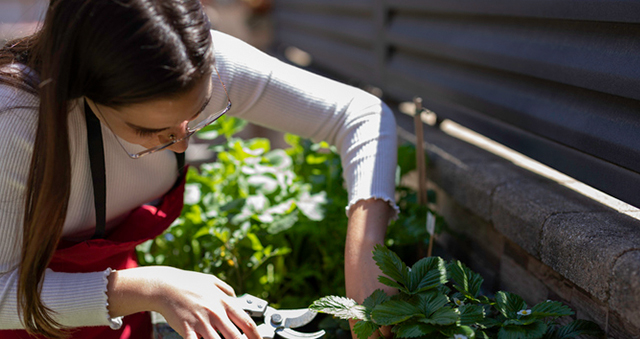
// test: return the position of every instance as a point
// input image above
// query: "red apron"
(116, 250)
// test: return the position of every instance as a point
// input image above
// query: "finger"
(224, 287)
(206, 331)
(226, 327)
(244, 322)
(190, 335)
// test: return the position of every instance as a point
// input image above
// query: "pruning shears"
(278, 322)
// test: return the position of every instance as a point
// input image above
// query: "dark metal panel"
(339, 57)
(602, 125)
(555, 79)
(565, 52)
(351, 6)
(591, 10)
(355, 29)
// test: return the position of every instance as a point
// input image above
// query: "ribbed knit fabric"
(262, 89)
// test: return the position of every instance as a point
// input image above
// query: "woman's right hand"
(195, 305)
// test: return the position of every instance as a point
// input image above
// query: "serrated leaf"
(426, 274)
(392, 283)
(465, 280)
(512, 332)
(471, 314)
(520, 322)
(509, 304)
(443, 316)
(340, 307)
(413, 330)
(430, 302)
(393, 312)
(364, 329)
(578, 327)
(459, 332)
(550, 309)
(390, 264)
(376, 298)
(535, 330)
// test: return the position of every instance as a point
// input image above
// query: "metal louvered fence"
(557, 80)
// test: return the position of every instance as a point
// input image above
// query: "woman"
(96, 109)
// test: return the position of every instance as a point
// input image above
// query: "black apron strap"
(98, 176)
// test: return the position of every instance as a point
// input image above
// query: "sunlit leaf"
(468, 281)
(426, 274)
(509, 304)
(550, 309)
(341, 307)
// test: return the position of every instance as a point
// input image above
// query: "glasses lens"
(217, 106)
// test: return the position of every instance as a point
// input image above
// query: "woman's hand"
(195, 305)
(368, 222)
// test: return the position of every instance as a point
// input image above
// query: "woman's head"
(118, 53)
(127, 51)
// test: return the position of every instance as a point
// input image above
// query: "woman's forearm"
(367, 227)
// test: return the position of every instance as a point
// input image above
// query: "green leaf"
(426, 274)
(509, 304)
(468, 281)
(471, 314)
(364, 329)
(443, 316)
(390, 264)
(406, 158)
(341, 307)
(578, 327)
(550, 309)
(393, 312)
(413, 330)
(533, 331)
(376, 298)
(392, 283)
(312, 206)
(459, 332)
(282, 224)
(430, 302)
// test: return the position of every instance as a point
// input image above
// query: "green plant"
(269, 222)
(272, 222)
(443, 300)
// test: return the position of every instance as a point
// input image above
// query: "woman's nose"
(178, 132)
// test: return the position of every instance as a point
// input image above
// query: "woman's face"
(155, 122)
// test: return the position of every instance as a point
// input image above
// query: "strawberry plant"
(437, 299)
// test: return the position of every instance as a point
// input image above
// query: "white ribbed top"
(263, 91)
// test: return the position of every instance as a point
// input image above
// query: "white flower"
(458, 302)
(460, 336)
(524, 312)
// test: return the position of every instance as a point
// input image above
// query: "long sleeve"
(273, 94)
(78, 299)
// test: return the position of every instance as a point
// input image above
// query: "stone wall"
(533, 236)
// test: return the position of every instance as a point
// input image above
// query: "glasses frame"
(190, 131)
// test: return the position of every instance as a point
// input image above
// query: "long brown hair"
(116, 52)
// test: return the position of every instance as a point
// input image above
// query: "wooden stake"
(422, 170)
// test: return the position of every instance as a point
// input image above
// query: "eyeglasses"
(205, 118)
